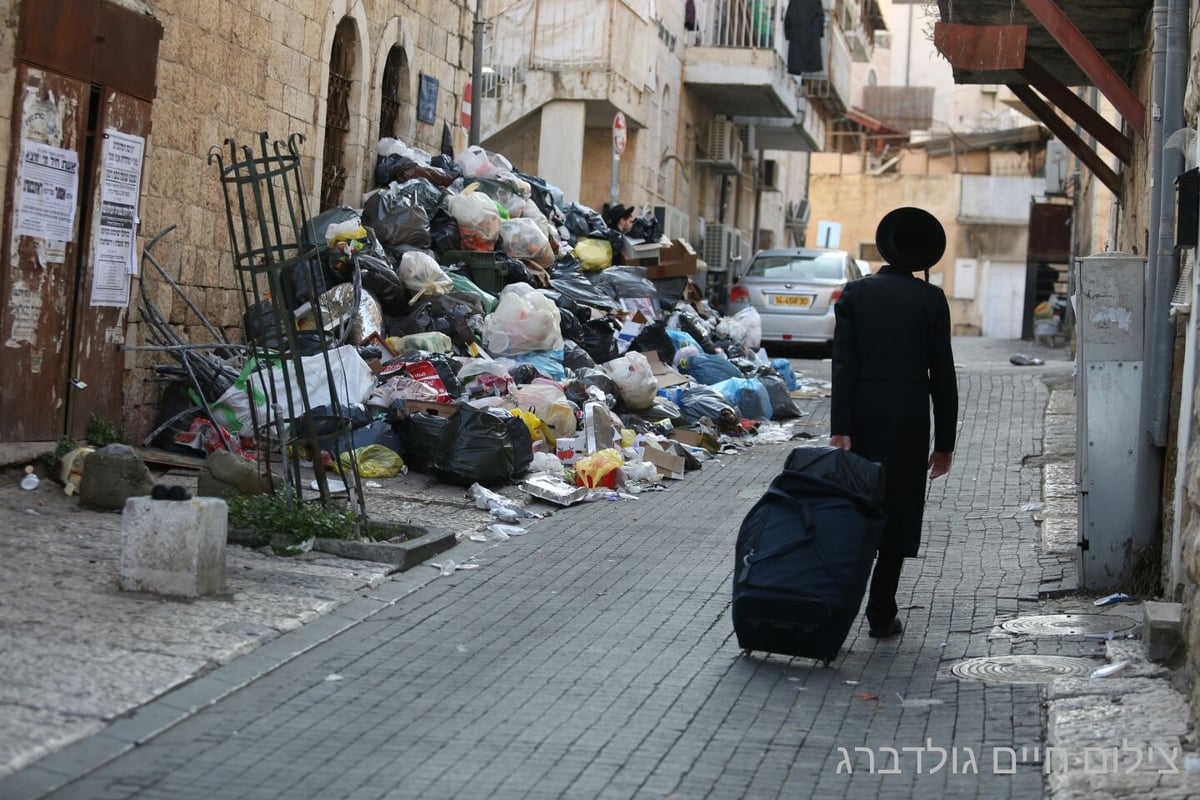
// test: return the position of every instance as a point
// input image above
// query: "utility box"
(1110, 315)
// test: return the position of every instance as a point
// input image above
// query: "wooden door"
(38, 274)
(97, 362)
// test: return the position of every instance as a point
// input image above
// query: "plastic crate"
(485, 267)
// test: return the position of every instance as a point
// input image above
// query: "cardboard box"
(640, 251)
(669, 465)
(629, 331)
(676, 261)
(432, 409)
(570, 449)
(694, 439)
(664, 375)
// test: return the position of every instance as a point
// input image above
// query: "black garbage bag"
(662, 409)
(697, 402)
(445, 162)
(266, 326)
(570, 327)
(627, 283)
(313, 235)
(601, 380)
(574, 356)
(447, 368)
(733, 351)
(599, 339)
(654, 338)
(521, 438)
(691, 324)
(474, 447)
(387, 168)
(670, 291)
(571, 281)
(523, 374)
(748, 367)
(782, 404)
(465, 320)
(443, 232)
(648, 228)
(380, 279)
(397, 217)
(420, 434)
(581, 220)
(515, 271)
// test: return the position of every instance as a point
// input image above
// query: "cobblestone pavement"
(594, 657)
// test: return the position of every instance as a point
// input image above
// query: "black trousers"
(881, 602)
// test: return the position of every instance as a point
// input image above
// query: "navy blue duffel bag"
(804, 554)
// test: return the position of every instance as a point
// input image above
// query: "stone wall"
(232, 68)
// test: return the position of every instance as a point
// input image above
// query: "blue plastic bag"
(683, 339)
(784, 368)
(547, 362)
(747, 395)
(708, 369)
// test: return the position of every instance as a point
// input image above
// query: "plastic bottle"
(30, 481)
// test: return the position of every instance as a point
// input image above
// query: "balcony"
(538, 51)
(737, 64)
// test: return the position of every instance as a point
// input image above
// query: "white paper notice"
(47, 192)
(115, 240)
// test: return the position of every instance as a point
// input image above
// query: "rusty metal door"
(37, 275)
(97, 362)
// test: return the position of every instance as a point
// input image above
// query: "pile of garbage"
(483, 330)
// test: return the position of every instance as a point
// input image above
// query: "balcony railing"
(742, 23)
(610, 36)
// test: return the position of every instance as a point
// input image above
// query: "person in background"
(891, 356)
(619, 217)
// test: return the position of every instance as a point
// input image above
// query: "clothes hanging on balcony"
(689, 15)
(804, 27)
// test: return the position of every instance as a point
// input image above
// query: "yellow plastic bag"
(374, 461)
(539, 430)
(599, 469)
(594, 254)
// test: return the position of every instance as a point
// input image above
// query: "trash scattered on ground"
(1022, 360)
(1110, 669)
(1112, 599)
(1033, 506)
(449, 567)
(333, 677)
(30, 480)
(919, 702)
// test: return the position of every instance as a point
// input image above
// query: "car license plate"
(791, 300)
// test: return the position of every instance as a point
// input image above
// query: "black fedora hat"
(910, 238)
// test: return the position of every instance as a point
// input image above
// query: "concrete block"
(174, 547)
(1161, 629)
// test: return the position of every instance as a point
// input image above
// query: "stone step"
(1161, 629)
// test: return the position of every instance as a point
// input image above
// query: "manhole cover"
(1022, 669)
(1066, 624)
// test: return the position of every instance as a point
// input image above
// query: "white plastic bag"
(351, 376)
(634, 378)
(475, 162)
(524, 238)
(745, 328)
(546, 400)
(525, 321)
(423, 276)
(477, 217)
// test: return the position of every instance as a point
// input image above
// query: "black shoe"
(893, 628)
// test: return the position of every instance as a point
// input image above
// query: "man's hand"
(841, 441)
(939, 463)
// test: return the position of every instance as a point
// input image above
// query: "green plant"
(50, 459)
(285, 524)
(101, 432)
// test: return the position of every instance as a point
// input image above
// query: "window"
(827, 266)
(394, 93)
(337, 113)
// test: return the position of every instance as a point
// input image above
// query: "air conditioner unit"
(1058, 160)
(724, 147)
(716, 247)
(796, 217)
(738, 252)
(770, 176)
(675, 222)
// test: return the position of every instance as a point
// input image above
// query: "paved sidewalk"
(594, 658)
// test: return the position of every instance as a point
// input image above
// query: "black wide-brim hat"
(910, 238)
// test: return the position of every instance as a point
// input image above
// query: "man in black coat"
(891, 355)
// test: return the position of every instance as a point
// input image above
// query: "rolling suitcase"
(804, 554)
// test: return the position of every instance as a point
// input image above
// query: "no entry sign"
(619, 133)
(464, 114)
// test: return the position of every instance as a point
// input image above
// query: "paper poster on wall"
(47, 192)
(114, 243)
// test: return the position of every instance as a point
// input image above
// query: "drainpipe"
(476, 73)
(1161, 327)
(1166, 115)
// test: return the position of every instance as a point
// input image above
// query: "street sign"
(619, 134)
(464, 114)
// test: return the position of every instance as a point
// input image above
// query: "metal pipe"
(476, 72)
(1160, 326)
